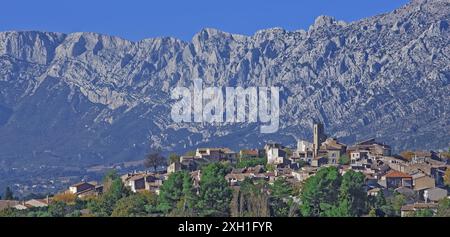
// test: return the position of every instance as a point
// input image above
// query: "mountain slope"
(85, 98)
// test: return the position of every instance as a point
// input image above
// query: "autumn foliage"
(68, 198)
(407, 155)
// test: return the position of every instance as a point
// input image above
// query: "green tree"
(171, 192)
(302, 163)
(320, 192)
(151, 206)
(39, 213)
(57, 209)
(250, 200)
(74, 213)
(109, 176)
(10, 212)
(344, 160)
(288, 152)
(131, 206)
(173, 157)
(380, 201)
(424, 213)
(280, 198)
(397, 202)
(114, 190)
(270, 167)
(443, 208)
(388, 210)
(379, 204)
(215, 194)
(352, 196)
(177, 195)
(373, 212)
(250, 162)
(189, 195)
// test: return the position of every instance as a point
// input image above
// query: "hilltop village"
(271, 181)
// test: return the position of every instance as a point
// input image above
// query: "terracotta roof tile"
(397, 174)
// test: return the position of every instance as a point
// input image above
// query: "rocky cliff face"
(85, 98)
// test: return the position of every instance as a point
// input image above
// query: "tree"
(250, 162)
(177, 196)
(10, 212)
(447, 177)
(379, 204)
(424, 213)
(329, 194)
(114, 190)
(173, 158)
(373, 212)
(115, 193)
(153, 160)
(387, 207)
(250, 200)
(288, 152)
(68, 198)
(151, 202)
(215, 194)
(407, 155)
(320, 192)
(190, 197)
(74, 213)
(388, 210)
(443, 208)
(109, 176)
(352, 194)
(131, 206)
(344, 160)
(280, 198)
(270, 167)
(8, 195)
(397, 202)
(380, 201)
(171, 192)
(38, 213)
(57, 209)
(445, 155)
(302, 163)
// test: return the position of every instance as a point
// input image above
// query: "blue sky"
(139, 19)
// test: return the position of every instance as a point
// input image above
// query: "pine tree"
(215, 194)
(320, 193)
(189, 196)
(352, 194)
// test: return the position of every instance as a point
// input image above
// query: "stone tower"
(319, 137)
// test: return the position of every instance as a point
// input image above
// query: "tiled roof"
(36, 203)
(81, 183)
(422, 153)
(250, 152)
(397, 174)
(415, 206)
